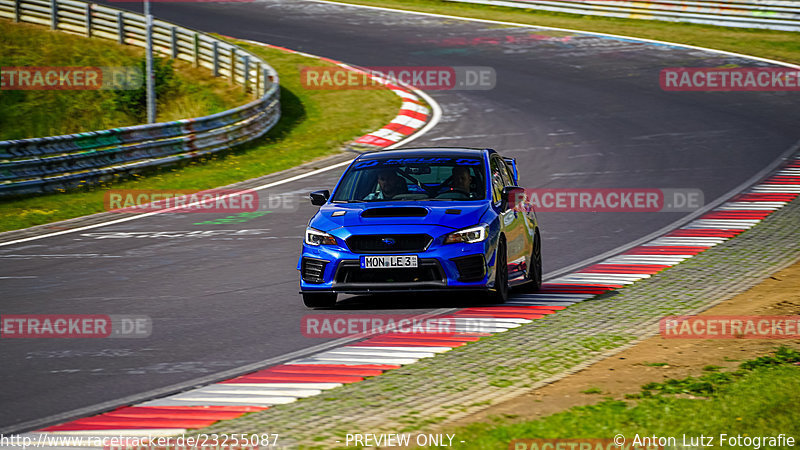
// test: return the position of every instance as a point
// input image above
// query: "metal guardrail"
(781, 15)
(58, 163)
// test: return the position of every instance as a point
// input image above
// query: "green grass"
(314, 123)
(758, 399)
(779, 45)
(186, 92)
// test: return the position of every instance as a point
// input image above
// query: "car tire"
(500, 292)
(319, 300)
(535, 273)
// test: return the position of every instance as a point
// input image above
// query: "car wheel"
(500, 293)
(535, 273)
(319, 300)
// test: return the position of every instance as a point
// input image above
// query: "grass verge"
(183, 91)
(779, 45)
(758, 399)
(314, 123)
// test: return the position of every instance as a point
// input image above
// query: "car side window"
(509, 174)
(503, 168)
(498, 183)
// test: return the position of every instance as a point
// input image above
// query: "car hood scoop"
(397, 211)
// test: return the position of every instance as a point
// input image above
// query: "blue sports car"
(421, 220)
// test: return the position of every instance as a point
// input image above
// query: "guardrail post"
(120, 27)
(174, 42)
(264, 75)
(233, 65)
(215, 57)
(17, 10)
(53, 14)
(89, 19)
(257, 90)
(196, 50)
(246, 73)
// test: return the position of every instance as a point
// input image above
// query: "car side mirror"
(511, 197)
(319, 198)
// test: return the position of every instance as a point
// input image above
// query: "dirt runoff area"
(656, 359)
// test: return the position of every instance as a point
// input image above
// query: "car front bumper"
(443, 268)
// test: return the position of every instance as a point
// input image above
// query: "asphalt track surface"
(580, 111)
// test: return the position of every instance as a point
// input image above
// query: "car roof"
(426, 152)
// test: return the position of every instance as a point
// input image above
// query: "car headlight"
(468, 235)
(315, 237)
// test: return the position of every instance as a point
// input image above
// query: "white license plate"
(388, 261)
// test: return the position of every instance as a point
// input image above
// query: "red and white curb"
(412, 117)
(413, 113)
(306, 377)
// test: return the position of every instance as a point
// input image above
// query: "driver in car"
(460, 181)
(391, 184)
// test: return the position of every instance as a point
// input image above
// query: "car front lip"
(381, 290)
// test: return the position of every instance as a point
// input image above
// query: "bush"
(134, 101)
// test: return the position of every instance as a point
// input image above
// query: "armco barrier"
(768, 14)
(62, 162)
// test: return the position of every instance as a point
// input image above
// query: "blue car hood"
(454, 215)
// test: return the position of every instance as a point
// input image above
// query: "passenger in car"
(390, 183)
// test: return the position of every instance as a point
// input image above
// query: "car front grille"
(312, 270)
(428, 270)
(388, 243)
(470, 268)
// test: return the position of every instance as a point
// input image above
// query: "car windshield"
(409, 179)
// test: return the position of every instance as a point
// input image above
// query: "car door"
(512, 222)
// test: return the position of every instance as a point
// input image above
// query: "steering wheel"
(448, 183)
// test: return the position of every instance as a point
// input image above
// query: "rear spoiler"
(513, 164)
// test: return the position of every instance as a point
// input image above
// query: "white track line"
(539, 303)
(751, 206)
(375, 352)
(285, 385)
(352, 360)
(685, 241)
(670, 260)
(403, 349)
(232, 388)
(168, 401)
